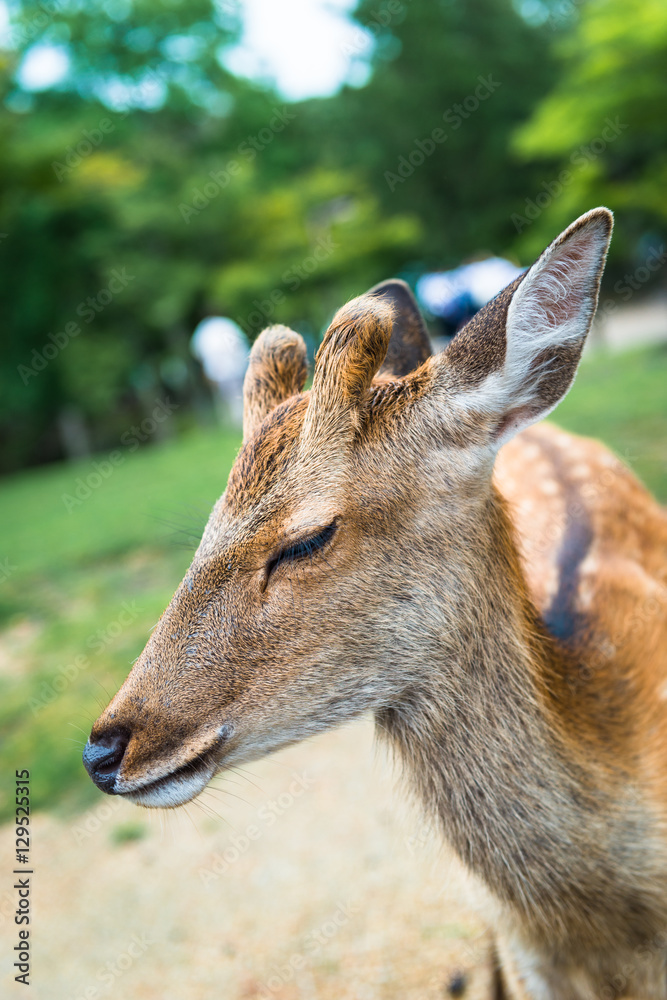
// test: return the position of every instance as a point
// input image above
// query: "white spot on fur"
(586, 593)
(549, 487)
(591, 564)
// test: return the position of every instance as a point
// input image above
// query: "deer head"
(357, 529)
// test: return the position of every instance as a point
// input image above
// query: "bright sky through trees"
(306, 47)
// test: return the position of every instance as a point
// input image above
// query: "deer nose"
(102, 758)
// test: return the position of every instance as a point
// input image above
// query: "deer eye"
(300, 549)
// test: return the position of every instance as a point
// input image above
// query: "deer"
(407, 538)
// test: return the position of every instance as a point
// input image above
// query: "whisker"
(232, 795)
(83, 731)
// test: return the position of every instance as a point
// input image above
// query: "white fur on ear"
(555, 303)
(547, 323)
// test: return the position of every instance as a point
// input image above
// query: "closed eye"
(301, 548)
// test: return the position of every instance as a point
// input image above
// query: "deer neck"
(506, 759)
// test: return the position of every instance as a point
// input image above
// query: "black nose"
(102, 758)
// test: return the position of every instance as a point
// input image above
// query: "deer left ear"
(277, 370)
(517, 358)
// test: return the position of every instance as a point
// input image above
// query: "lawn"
(622, 400)
(85, 577)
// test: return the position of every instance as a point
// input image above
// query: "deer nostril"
(102, 758)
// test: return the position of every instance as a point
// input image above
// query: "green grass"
(622, 400)
(45, 532)
(128, 832)
(85, 586)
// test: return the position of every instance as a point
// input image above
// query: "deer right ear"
(517, 358)
(277, 369)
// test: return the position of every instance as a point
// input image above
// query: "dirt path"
(319, 884)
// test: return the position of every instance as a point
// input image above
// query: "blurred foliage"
(604, 121)
(473, 69)
(151, 188)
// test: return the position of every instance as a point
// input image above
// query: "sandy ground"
(317, 882)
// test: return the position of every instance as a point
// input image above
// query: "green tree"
(604, 123)
(466, 71)
(134, 205)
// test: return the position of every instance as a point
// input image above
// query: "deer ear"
(517, 358)
(409, 345)
(277, 369)
(349, 357)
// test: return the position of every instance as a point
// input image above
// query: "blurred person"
(221, 347)
(453, 297)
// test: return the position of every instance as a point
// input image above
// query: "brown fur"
(277, 369)
(409, 345)
(508, 629)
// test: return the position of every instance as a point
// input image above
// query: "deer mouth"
(171, 790)
(182, 784)
(107, 762)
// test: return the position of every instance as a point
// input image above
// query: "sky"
(306, 48)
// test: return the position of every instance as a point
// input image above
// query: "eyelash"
(301, 549)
